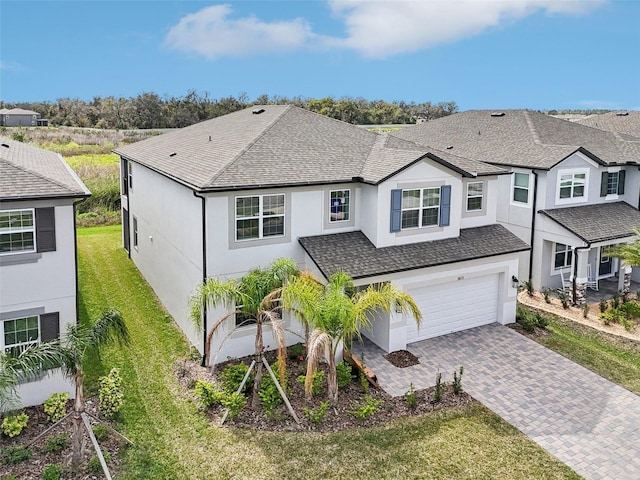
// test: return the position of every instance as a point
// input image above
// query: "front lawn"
(175, 440)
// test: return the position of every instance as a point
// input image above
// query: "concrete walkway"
(587, 422)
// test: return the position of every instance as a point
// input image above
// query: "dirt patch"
(337, 418)
(402, 358)
(33, 468)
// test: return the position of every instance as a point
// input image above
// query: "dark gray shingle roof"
(626, 123)
(283, 145)
(353, 253)
(599, 222)
(30, 172)
(520, 138)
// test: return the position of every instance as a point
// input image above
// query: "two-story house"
(38, 268)
(572, 191)
(221, 197)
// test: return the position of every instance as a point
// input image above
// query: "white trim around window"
(20, 333)
(420, 208)
(259, 217)
(561, 257)
(339, 206)
(17, 231)
(572, 186)
(475, 197)
(521, 190)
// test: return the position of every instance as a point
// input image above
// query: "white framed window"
(17, 231)
(20, 333)
(259, 216)
(420, 207)
(130, 175)
(475, 195)
(562, 256)
(572, 186)
(135, 233)
(339, 206)
(612, 183)
(520, 188)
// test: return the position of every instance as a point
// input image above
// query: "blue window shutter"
(445, 205)
(396, 210)
(604, 180)
(621, 182)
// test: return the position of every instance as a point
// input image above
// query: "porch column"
(582, 259)
(624, 279)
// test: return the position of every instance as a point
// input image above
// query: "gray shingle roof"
(627, 123)
(599, 222)
(283, 145)
(353, 253)
(520, 138)
(29, 172)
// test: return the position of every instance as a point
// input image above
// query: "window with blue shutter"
(396, 210)
(445, 205)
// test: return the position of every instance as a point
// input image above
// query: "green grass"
(174, 440)
(92, 159)
(614, 358)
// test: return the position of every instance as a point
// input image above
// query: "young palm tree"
(629, 253)
(26, 366)
(256, 296)
(80, 339)
(338, 314)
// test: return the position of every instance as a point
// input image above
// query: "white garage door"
(454, 306)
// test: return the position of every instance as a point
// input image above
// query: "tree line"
(150, 110)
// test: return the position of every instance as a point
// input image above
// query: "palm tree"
(256, 297)
(628, 253)
(338, 314)
(25, 366)
(79, 340)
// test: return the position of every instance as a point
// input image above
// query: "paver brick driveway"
(589, 423)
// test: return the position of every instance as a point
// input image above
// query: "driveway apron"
(586, 421)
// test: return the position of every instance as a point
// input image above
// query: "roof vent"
(173, 154)
(622, 114)
(449, 147)
(497, 114)
(258, 111)
(5, 145)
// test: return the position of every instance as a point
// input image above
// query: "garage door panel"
(455, 306)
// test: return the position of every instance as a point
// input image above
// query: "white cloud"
(211, 33)
(380, 29)
(374, 28)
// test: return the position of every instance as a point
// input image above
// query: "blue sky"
(539, 54)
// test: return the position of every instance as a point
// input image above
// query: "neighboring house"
(18, 117)
(38, 274)
(573, 190)
(624, 123)
(221, 197)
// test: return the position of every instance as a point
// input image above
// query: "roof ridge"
(532, 128)
(37, 174)
(248, 146)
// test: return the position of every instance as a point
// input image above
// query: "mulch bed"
(338, 418)
(33, 468)
(402, 358)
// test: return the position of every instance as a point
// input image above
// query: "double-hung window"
(562, 256)
(259, 216)
(474, 196)
(339, 206)
(20, 333)
(420, 207)
(612, 183)
(572, 185)
(17, 231)
(521, 187)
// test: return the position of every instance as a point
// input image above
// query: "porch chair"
(592, 280)
(566, 283)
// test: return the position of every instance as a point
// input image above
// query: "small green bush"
(318, 381)
(564, 298)
(364, 382)
(603, 305)
(318, 414)
(546, 293)
(411, 397)
(269, 395)
(525, 319)
(208, 393)
(234, 403)
(295, 352)
(56, 443)
(366, 409)
(110, 394)
(541, 321)
(437, 397)
(457, 381)
(56, 406)
(13, 455)
(100, 432)
(232, 375)
(585, 310)
(52, 471)
(94, 466)
(343, 372)
(12, 425)
(615, 300)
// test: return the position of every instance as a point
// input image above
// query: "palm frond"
(319, 343)
(283, 269)
(342, 282)
(628, 253)
(303, 296)
(109, 328)
(213, 293)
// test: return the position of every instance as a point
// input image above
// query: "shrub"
(94, 466)
(540, 320)
(612, 315)
(208, 393)
(457, 381)
(343, 372)
(546, 293)
(269, 395)
(56, 443)
(13, 455)
(364, 382)
(234, 403)
(296, 351)
(318, 414)
(53, 471)
(525, 319)
(631, 309)
(56, 406)
(100, 432)
(318, 380)
(437, 397)
(603, 305)
(528, 286)
(12, 425)
(585, 310)
(411, 397)
(232, 375)
(366, 409)
(564, 298)
(627, 324)
(110, 395)
(615, 300)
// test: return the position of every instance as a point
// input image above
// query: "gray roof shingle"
(625, 123)
(30, 172)
(283, 145)
(599, 222)
(353, 253)
(521, 138)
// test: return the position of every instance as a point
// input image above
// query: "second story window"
(612, 183)
(420, 207)
(339, 205)
(17, 231)
(521, 187)
(259, 216)
(474, 196)
(572, 186)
